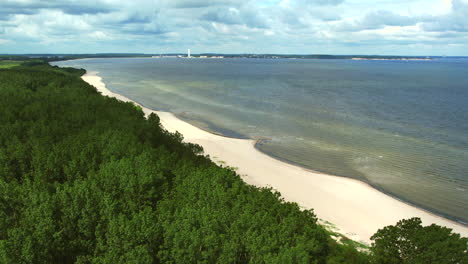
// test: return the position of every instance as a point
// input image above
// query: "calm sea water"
(401, 126)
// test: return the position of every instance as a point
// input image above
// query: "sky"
(368, 27)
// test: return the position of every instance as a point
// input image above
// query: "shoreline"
(258, 141)
(393, 59)
(356, 208)
(378, 188)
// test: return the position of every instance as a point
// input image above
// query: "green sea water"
(401, 126)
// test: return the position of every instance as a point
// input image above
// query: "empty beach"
(354, 208)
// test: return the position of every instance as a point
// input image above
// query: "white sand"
(356, 209)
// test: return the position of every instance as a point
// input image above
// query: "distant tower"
(188, 53)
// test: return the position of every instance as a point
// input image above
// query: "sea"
(400, 126)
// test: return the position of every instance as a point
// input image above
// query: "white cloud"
(4, 41)
(235, 26)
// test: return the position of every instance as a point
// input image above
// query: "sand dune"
(355, 208)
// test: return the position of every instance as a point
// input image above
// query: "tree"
(410, 242)
(87, 179)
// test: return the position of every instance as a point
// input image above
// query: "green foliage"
(410, 242)
(347, 254)
(87, 179)
(5, 64)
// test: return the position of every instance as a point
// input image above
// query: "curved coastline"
(258, 141)
(378, 188)
(356, 208)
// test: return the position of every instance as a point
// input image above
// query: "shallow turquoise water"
(401, 126)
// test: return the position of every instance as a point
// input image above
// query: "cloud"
(386, 18)
(7, 11)
(200, 3)
(376, 20)
(234, 16)
(294, 16)
(456, 20)
(318, 2)
(225, 16)
(147, 29)
(234, 26)
(136, 18)
(73, 7)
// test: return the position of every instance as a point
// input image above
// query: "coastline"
(393, 59)
(378, 188)
(357, 209)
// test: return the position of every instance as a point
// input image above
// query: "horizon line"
(232, 54)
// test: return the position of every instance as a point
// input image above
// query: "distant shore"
(355, 208)
(392, 59)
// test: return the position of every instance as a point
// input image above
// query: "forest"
(88, 179)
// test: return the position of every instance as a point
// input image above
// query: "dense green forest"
(88, 179)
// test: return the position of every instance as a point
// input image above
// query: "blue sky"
(399, 27)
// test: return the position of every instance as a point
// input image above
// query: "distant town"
(288, 56)
(188, 55)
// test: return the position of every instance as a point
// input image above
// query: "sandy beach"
(355, 208)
